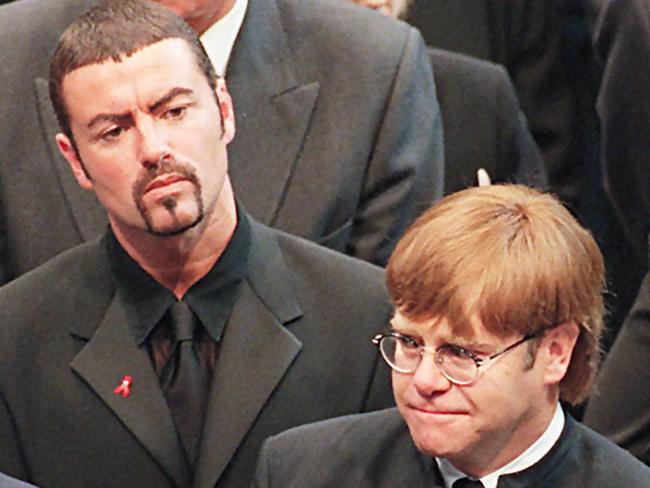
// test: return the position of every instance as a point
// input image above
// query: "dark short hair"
(511, 256)
(113, 30)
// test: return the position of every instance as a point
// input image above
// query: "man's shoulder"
(363, 450)
(467, 64)
(604, 463)
(332, 289)
(628, 10)
(623, 21)
(343, 27)
(303, 255)
(38, 18)
(30, 30)
(40, 308)
(476, 76)
(359, 435)
(81, 268)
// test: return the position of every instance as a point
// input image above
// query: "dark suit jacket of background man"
(376, 451)
(619, 408)
(336, 117)
(532, 39)
(546, 47)
(622, 44)
(296, 349)
(483, 126)
(622, 41)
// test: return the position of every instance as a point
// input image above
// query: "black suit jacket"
(622, 41)
(375, 451)
(296, 349)
(529, 38)
(619, 408)
(483, 126)
(317, 153)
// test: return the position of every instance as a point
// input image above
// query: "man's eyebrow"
(464, 342)
(109, 117)
(480, 345)
(104, 117)
(472, 344)
(167, 97)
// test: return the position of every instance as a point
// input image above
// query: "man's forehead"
(173, 55)
(143, 76)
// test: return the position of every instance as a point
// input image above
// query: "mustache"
(166, 165)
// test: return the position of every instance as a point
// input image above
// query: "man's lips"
(432, 410)
(164, 180)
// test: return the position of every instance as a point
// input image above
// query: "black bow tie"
(467, 483)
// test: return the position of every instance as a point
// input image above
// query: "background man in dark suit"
(482, 124)
(491, 329)
(166, 352)
(619, 407)
(317, 152)
(546, 47)
(622, 41)
(551, 73)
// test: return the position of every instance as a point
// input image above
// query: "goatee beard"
(167, 165)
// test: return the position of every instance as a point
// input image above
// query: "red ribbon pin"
(124, 388)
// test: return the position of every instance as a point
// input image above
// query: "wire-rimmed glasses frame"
(456, 363)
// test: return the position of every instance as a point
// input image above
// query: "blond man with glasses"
(498, 316)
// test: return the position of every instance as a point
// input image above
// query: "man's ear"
(226, 110)
(69, 152)
(557, 348)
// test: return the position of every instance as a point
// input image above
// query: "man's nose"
(152, 147)
(428, 379)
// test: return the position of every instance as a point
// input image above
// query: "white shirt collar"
(526, 459)
(219, 39)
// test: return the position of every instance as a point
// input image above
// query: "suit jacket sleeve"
(406, 172)
(622, 41)
(619, 407)
(11, 461)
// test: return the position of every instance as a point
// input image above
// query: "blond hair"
(511, 256)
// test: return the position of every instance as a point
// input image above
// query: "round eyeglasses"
(458, 365)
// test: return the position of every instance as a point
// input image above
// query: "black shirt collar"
(211, 298)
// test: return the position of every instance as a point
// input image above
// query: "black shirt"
(211, 298)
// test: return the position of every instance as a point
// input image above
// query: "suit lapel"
(272, 108)
(256, 352)
(111, 354)
(88, 216)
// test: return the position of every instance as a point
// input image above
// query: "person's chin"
(434, 444)
(434, 429)
(171, 225)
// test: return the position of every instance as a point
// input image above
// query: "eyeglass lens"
(404, 356)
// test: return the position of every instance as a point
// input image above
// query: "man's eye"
(112, 134)
(460, 351)
(455, 351)
(175, 112)
(407, 343)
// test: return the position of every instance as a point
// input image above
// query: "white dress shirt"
(219, 39)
